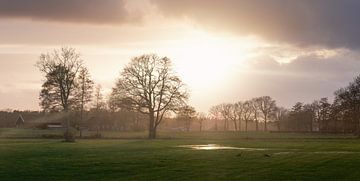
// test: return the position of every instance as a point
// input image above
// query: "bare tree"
(225, 112)
(239, 111)
(267, 106)
(84, 92)
(201, 117)
(149, 85)
(215, 115)
(255, 105)
(247, 113)
(99, 102)
(186, 115)
(99, 105)
(60, 68)
(280, 116)
(233, 115)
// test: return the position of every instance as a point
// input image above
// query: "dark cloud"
(84, 11)
(304, 79)
(330, 23)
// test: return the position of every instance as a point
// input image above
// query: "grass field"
(277, 157)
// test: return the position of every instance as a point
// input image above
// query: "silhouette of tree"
(149, 85)
(84, 92)
(215, 115)
(348, 99)
(239, 111)
(255, 105)
(324, 114)
(267, 106)
(99, 107)
(99, 102)
(186, 115)
(60, 68)
(201, 117)
(280, 116)
(247, 113)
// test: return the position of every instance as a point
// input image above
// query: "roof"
(20, 120)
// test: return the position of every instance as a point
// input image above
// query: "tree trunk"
(239, 124)
(235, 125)
(68, 135)
(152, 134)
(67, 120)
(265, 121)
(246, 125)
(152, 128)
(257, 124)
(216, 125)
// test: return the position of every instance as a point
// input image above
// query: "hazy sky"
(225, 50)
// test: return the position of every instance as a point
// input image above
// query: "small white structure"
(20, 121)
(55, 126)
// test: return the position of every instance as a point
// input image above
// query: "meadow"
(129, 156)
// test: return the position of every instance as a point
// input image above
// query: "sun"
(205, 59)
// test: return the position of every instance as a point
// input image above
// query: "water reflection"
(219, 147)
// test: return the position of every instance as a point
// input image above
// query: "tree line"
(148, 91)
(340, 116)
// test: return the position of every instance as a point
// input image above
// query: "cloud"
(83, 11)
(329, 23)
(304, 79)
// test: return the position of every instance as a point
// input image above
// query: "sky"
(224, 50)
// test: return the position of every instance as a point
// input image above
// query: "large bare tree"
(60, 68)
(149, 85)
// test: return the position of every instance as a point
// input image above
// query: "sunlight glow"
(203, 59)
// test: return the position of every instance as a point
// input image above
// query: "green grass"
(302, 157)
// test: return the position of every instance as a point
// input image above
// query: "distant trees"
(149, 85)
(267, 106)
(99, 102)
(347, 103)
(201, 117)
(249, 111)
(341, 116)
(60, 68)
(186, 115)
(280, 115)
(215, 116)
(255, 105)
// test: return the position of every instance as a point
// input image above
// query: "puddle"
(219, 147)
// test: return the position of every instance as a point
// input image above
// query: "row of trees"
(148, 87)
(341, 116)
(255, 110)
